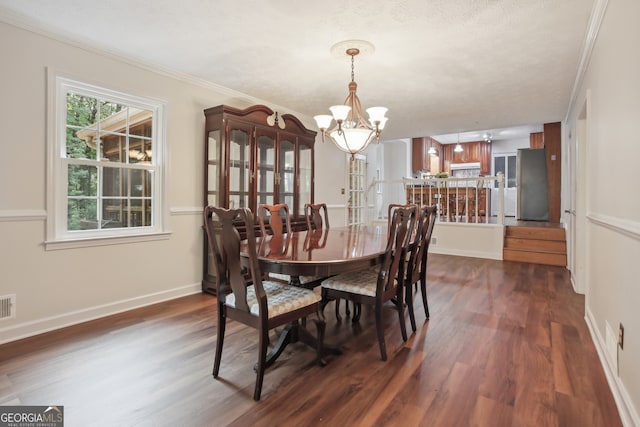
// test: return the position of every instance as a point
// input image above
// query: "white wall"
(608, 100)
(57, 288)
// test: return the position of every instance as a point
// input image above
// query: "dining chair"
(258, 303)
(374, 287)
(416, 266)
(274, 220)
(316, 215)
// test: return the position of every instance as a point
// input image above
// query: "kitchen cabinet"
(472, 152)
(421, 160)
(255, 156)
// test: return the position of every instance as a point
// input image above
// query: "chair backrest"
(276, 217)
(418, 254)
(315, 215)
(393, 207)
(401, 225)
(224, 240)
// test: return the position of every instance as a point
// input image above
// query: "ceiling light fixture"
(352, 133)
(458, 148)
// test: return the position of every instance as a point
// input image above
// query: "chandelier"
(352, 133)
(458, 148)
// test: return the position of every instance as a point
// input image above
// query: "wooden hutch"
(255, 156)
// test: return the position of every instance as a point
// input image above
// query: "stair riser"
(559, 260)
(536, 245)
(536, 233)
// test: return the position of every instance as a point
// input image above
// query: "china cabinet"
(256, 156)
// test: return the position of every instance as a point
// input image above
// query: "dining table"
(321, 253)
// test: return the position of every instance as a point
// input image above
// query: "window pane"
(140, 183)
(82, 180)
(114, 182)
(511, 171)
(140, 122)
(82, 214)
(498, 167)
(140, 213)
(139, 150)
(80, 143)
(113, 213)
(82, 110)
(116, 113)
(113, 146)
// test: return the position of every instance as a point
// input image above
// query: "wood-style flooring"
(506, 345)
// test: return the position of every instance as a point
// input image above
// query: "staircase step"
(546, 258)
(542, 233)
(537, 245)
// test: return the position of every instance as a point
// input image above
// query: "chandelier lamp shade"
(352, 133)
(458, 148)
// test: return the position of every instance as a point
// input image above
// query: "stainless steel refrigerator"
(531, 181)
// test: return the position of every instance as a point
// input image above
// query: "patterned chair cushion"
(362, 282)
(287, 278)
(281, 298)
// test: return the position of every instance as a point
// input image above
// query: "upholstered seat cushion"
(362, 282)
(287, 278)
(281, 298)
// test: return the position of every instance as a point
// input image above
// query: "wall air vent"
(7, 307)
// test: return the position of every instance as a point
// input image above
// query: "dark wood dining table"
(323, 252)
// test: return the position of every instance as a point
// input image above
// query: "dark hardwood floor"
(506, 345)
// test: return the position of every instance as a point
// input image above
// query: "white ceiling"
(440, 66)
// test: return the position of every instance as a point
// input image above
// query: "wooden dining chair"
(316, 215)
(274, 220)
(257, 303)
(374, 287)
(416, 267)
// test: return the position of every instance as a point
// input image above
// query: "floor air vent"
(7, 307)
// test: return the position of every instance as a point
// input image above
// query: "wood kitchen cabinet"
(472, 152)
(421, 160)
(254, 156)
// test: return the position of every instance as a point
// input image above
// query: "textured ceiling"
(440, 66)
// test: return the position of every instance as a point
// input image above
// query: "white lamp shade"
(381, 123)
(323, 121)
(376, 114)
(340, 112)
(352, 140)
(431, 150)
(458, 148)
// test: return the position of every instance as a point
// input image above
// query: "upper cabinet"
(472, 152)
(254, 156)
(421, 160)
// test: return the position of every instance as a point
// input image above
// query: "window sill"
(55, 245)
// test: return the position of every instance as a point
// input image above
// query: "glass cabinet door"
(239, 163)
(213, 168)
(305, 163)
(265, 170)
(286, 173)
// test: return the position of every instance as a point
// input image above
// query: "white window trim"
(57, 235)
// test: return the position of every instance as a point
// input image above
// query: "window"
(106, 174)
(505, 164)
(357, 183)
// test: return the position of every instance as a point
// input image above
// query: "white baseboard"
(39, 326)
(628, 413)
